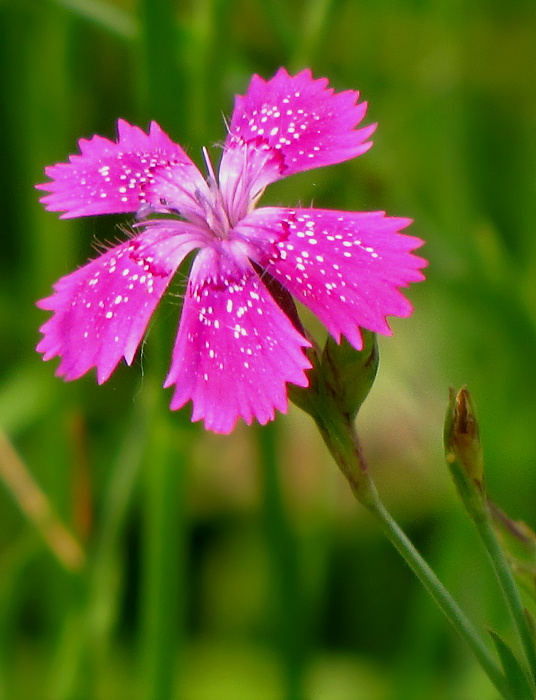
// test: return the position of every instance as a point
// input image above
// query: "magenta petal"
(306, 121)
(345, 266)
(235, 348)
(113, 178)
(102, 309)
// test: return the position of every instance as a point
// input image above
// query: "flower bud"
(462, 439)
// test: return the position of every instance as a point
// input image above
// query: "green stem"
(463, 451)
(159, 87)
(163, 565)
(105, 584)
(440, 595)
(340, 437)
(162, 98)
(286, 580)
(508, 585)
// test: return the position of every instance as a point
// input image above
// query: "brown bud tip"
(462, 435)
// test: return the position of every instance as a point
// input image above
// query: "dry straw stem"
(37, 508)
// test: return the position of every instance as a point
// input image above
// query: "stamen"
(210, 169)
(213, 206)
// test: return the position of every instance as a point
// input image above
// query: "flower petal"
(345, 266)
(302, 118)
(235, 348)
(102, 309)
(113, 178)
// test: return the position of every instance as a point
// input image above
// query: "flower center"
(212, 203)
(215, 204)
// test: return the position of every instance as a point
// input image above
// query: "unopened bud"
(462, 437)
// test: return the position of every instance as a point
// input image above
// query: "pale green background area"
(239, 567)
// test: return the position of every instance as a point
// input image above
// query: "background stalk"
(288, 599)
(163, 564)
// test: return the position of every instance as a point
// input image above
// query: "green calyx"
(340, 379)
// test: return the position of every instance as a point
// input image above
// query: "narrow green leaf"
(518, 683)
(113, 19)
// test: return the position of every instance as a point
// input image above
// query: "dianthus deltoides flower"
(238, 344)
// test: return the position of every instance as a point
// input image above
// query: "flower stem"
(440, 595)
(509, 588)
(341, 438)
(464, 456)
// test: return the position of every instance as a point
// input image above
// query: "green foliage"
(520, 688)
(188, 561)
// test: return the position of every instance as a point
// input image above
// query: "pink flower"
(238, 342)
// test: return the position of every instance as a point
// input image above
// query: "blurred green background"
(240, 567)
